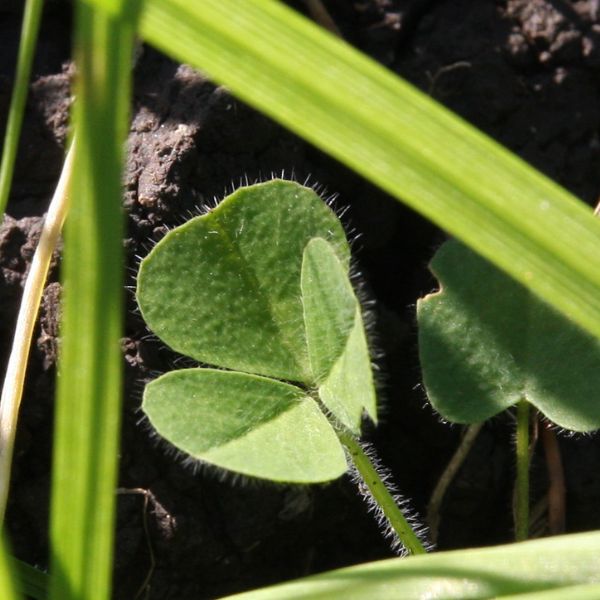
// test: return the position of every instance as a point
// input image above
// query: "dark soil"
(525, 71)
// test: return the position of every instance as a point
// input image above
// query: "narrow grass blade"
(29, 33)
(89, 385)
(8, 575)
(395, 136)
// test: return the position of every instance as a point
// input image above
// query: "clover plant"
(259, 289)
(486, 343)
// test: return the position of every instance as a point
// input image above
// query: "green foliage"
(88, 405)
(395, 136)
(8, 572)
(335, 337)
(344, 103)
(559, 567)
(245, 423)
(486, 342)
(29, 32)
(225, 288)
(259, 285)
(31, 581)
(329, 307)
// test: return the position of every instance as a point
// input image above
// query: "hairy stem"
(12, 390)
(437, 497)
(522, 480)
(381, 495)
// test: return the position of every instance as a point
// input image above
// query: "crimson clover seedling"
(486, 343)
(259, 289)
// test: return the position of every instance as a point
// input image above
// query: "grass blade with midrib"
(89, 386)
(394, 135)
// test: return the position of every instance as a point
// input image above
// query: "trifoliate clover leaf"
(259, 286)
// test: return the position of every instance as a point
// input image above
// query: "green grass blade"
(9, 573)
(397, 137)
(29, 33)
(31, 581)
(89, 385)
(535, 567)
(584, 591)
